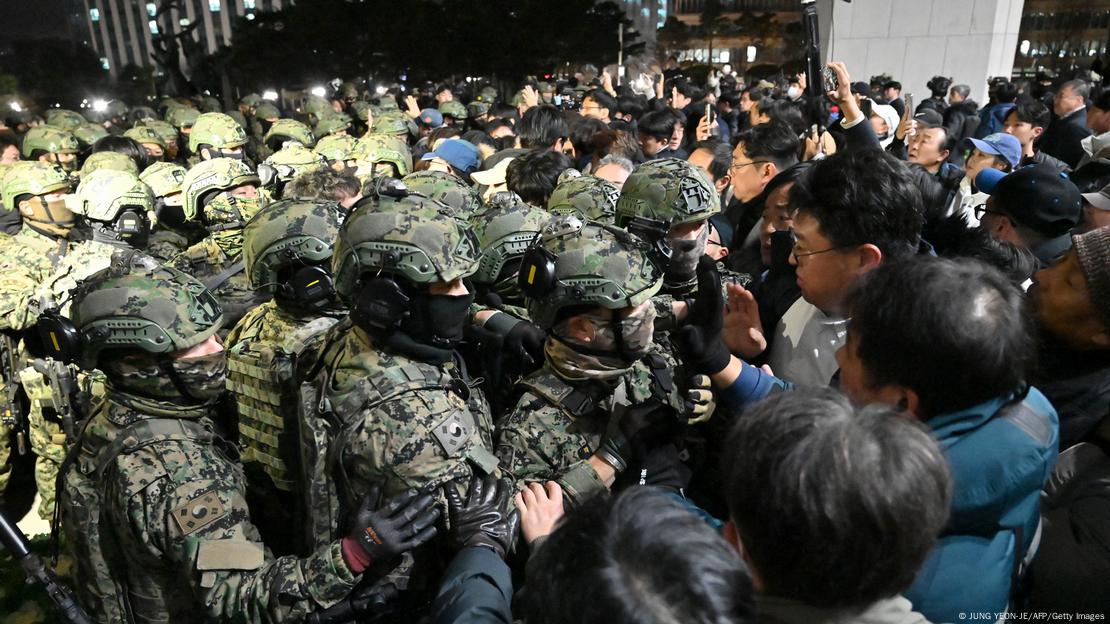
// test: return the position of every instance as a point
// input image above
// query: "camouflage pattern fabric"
(589, 197)
(165, 242)
(162, 531)
(208, 259)
(667, 192)
(445, 188)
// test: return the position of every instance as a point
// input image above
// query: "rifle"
(15, 542)
(63, 386)
(12, 415)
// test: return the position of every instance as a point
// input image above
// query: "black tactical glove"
(699, 340)
(521, 343)
(483, 519)
(630, 430)
(386, 529)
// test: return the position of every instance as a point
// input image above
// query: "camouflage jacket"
(23, 266)
(165, 243)
(408, 424)
(558, 424)
(665, 319)
(172, 534)
(205, 261)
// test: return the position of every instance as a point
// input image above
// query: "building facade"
(754, 32)
(123, 31)
(1062, 35)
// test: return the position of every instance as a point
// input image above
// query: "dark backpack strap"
(555, 391)
(662, 378)
(221, 278)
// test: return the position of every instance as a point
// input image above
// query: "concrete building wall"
(914, 40)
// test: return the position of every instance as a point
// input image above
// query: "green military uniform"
(447, 189)
(589, 197)
(217, 258)
(171, 234)
(403, 413)
(287, 249)
(565, 408)
(154, 503)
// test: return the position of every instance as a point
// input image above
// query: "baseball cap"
(1000, 144)
(861, 88)
(431, 118)
(1100, 200)
(1038, 197)
(458, 153)
(928, 118)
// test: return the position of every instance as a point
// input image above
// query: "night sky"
(33, 18)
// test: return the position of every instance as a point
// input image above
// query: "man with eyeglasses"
(1034, 208)
(598, 104)
(761, 153)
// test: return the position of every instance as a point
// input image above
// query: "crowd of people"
(666, 351)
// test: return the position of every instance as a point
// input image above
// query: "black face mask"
(265, 123)
(169, 216)
(438, 320)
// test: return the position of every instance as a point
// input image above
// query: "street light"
(751, 54)
(319, 91)
(270, 94)
(380, 90)
(99, 105)
(15, 106)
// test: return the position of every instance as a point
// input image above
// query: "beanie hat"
(1093, 249)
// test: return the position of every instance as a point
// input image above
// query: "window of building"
(248, 4)
(183, 22)
(214, 6)
(151, 9)
(105, 64)
(153, 27)
(94, 14)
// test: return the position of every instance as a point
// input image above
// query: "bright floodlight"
(270, 94)
(380, 90)
(15, 106)
(319, 91)
(99, 106)
(751, 54)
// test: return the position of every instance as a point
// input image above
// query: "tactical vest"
(326, 429)
(261, 376)
(101, 584)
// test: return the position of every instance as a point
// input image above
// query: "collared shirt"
(804, 347)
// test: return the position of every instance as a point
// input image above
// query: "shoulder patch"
(452, 433)
(199, 512)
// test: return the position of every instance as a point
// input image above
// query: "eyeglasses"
(806, 254)
(739, 165)
(981, 210)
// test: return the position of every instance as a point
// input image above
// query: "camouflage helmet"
(288, 233)
(330, 124)
(453, 109)
(361, 109)
(216, 130)
(336, 147)
(666, 192)
(266, 110)
(446, 189)
(109, 160)
(33, 178)
(251, 99)
(505, 228)
(383, 148)
(290, 130)
(589, 197)
(182, 116)
(163, 178)
(404, 235)
(64, 119)
(239, 118)
(316, 105)
(140, 113)
(163, 128)
(49, 139)
(210, 104)
(217, 174)
(487, 94)
(388, 102)
(145, 134)
(476, 109)
(393, 124)
(89, 133)
(348, 90)
(288, 163)
(574, 263)
(103, 194)
(159, 310)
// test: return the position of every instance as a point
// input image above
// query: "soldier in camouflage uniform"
(117, 205)
(667, 203)
(168, 133)
(64, 119)
(403, 411)
(50, 144)
(151, 141)
(380, 154)
(447, 189)
(288, 130)
(108, 160)
(216, 135)
(589, 197)
(454, 113)
(337, 149)
(222, 194)
(153, 499)
(171, 233)
(333, 124)
(42, 254)
(605, 394)
(285, 164)
(287, 249)
(394, 124)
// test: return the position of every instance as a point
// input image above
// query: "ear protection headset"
(536, 277)
(54, 336)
